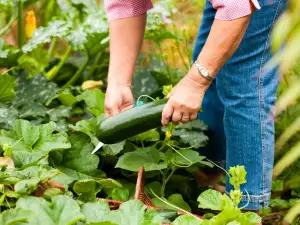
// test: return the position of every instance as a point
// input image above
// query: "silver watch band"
(203, 72)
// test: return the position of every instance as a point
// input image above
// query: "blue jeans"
(238, 104)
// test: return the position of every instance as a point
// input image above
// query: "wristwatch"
(203, 72)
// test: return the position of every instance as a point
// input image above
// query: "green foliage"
(49, 127)
(176, 200)
(147, 157)
(7, 89)
(32, 144)
(87, 189)
(94, 100)
(188, 220)
(77, 162)
(8, 55)
(56, 29)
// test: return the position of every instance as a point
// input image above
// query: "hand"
(118, 98)
(185, 100)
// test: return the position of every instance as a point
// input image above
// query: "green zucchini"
(131, 122)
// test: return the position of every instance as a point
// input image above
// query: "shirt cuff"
(233, 9)
(119, 9)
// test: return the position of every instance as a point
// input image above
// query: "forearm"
(126, 37)
(222, 42)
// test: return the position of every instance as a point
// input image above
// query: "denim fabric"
(238, 104)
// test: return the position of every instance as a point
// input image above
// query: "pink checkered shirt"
(226, 9)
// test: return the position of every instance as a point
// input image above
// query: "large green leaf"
(193, 125)
(7, 88)
(143, 83)
(8, 114)
(18, 216)
(187, 220)
(96, 211)
(113, 149)
(210, 199)
(88, 127)
(121, 194)
(188, 157)
(27, 132)
(249, 218)
(151, 136)
(87, 189)
(8, 55)
(96, 29)
(42, 35)
(131, 212)
(174, 199)
(78, 162)
(94, 100)
(43, 173)
(195, 139)
(26, 187)
(89, 5)
(32, 94)
(62, 210)
(147, 157)
(30, 144)
(227, 215)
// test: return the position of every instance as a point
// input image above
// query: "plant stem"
(20, 24)
(165, 180)
(7, 26)
(168, 137)
(77, 74)
(163, 59)
(54, 71)
(164, 144)
(95, 64)
(164, 183)
(52, 47)
(170, 175)
(181, 56)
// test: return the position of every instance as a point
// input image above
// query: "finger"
(193, 116)
(124, 108)
(107, 112)
(185, 117)
(111, 110)
(176, 117)
(114, 111)
(166, 114)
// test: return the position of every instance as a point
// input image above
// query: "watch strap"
(203, 72)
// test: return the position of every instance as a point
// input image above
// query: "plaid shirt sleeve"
(118, 9)
(226, 9)
(233, 9)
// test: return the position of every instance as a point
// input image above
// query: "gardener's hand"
(186, 98)
(118, 98)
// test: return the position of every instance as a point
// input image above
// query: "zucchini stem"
(52, 47)
(7, 26)
(51, 74)
(95, 64)
(77, 74)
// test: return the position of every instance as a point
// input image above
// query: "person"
(227, 80)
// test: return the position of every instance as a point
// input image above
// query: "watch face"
(204, 72)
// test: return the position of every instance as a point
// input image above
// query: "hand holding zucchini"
(131, 122)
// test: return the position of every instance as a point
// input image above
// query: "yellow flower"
(30, 25)
(91, 84)
(168, 134)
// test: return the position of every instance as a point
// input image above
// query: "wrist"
(118, 79)
(198, 80)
